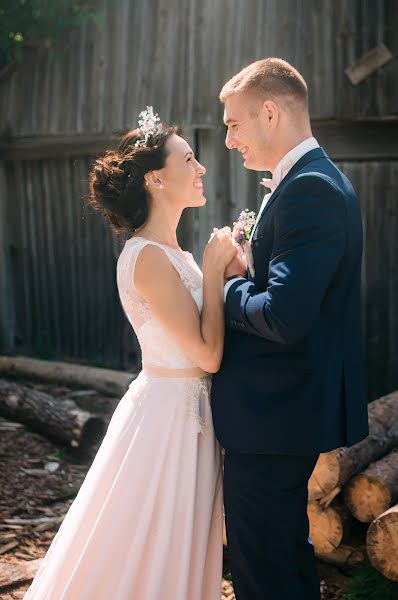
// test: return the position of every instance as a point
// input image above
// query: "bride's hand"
(220, 249)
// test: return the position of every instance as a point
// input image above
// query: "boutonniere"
(242, 229)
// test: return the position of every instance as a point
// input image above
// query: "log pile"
(355, 486)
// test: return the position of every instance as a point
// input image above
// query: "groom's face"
(247, 130)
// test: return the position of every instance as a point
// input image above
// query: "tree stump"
(328, 526)
(55, 419)
(372, 492)
(335, 468)
(382, 543)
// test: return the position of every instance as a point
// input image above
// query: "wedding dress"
(147, 521)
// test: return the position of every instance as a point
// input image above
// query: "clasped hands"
(238, 264)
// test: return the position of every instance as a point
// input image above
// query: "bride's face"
(182, 174)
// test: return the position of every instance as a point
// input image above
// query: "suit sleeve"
(309, 241)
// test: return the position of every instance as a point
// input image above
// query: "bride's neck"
(162, 226)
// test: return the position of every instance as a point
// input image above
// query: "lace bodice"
(157, 346)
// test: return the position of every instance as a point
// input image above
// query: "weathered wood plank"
(7, 308)
(176, 55)
(359, 140)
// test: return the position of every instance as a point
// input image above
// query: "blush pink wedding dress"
(147, 521)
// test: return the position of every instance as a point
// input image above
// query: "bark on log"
(344, 555)
(51, 417)
(106, 381)
(335, 468)
(328, 526)
(382, 543)
(372, 492)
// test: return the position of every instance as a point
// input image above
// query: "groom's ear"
(270, 112)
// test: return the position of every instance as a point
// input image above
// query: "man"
(291, 381)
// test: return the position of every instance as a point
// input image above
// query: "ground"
(38, 481)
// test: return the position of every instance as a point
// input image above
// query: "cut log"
(335, 468)
(328, 526)
(372, 492)
(53, 418)
(18, 572)
(327, 500)
(344, 555)
(382, 543)
(106, 381)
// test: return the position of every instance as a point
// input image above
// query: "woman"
(147, 521)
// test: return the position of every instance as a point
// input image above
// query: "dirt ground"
(38, 481)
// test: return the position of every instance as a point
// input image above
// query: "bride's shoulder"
(153, 268)
(152, 256)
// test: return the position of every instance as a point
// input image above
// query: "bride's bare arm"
(200, 337)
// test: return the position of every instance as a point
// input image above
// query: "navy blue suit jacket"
(291, 379)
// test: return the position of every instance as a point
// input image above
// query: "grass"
(367, 584)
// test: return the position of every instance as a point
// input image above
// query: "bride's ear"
(151, 178)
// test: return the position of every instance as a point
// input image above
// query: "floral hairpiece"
(147, 123)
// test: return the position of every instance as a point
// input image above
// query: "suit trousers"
(267, 526)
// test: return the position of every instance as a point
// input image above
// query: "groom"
(291, 381)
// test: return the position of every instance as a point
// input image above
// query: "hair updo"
(117, 184)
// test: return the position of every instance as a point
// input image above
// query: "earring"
(161, 186)
(146, 183)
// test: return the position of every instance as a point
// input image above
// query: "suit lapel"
(314, 154)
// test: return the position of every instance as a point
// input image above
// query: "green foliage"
(368, 584)
(43, 23)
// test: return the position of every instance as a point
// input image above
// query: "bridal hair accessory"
(241, 233)
(148, 124)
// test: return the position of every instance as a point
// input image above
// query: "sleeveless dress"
(147, 521)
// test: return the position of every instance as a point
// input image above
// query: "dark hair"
(117, 185)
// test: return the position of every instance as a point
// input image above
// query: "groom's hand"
(237, 266)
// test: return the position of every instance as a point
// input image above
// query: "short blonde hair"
(271, 77)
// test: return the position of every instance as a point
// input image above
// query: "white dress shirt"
(281, 170)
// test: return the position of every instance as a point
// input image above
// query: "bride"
(147, 521)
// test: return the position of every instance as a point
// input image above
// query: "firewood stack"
(359, 485)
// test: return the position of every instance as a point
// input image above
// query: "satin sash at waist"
(177, 373)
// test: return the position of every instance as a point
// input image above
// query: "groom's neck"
(288, 142)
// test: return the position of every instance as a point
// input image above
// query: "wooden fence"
(58, 294)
